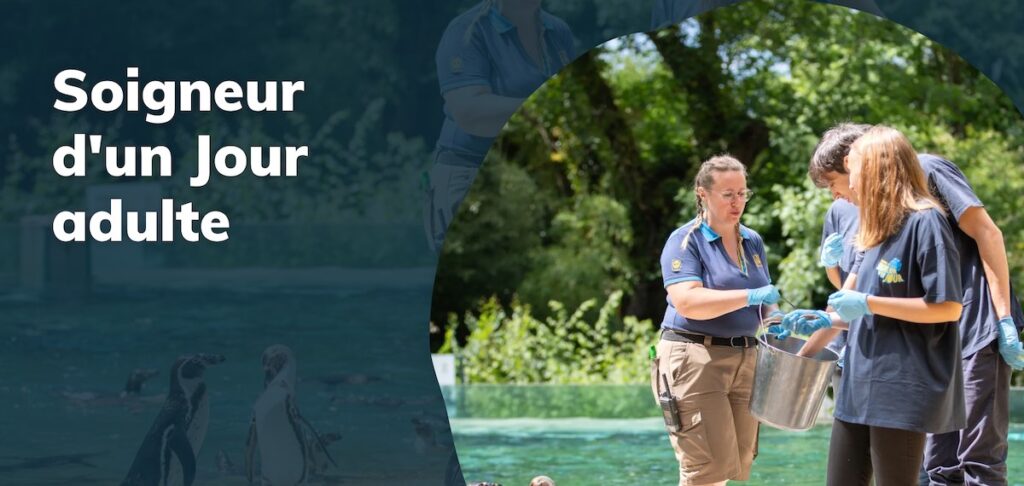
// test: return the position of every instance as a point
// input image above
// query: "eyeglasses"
(743, 195)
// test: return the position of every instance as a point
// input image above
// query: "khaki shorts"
(712, 386)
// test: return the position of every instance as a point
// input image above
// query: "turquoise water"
(349, 384)
(634, 452)
(510, 434)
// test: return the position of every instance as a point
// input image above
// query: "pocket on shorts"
(677, 359)
(692, 439)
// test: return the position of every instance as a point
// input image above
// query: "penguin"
(133, 386)
(168, 453)
(130, 395)
(542, 481)
(282, 447)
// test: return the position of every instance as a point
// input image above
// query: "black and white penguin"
(168, 453)
(282, 448)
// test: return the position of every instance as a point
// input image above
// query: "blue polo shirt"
(899, 374)
(979, 324)
(705, 260)
(481, 47)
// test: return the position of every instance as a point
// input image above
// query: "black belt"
(685, 337)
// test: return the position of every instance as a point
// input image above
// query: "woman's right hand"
(763, 295)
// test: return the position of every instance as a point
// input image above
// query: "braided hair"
(705, 179)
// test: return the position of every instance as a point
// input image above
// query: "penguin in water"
(168, 453)
(130, 395)
(282, 448)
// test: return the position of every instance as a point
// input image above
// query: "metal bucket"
(789, 389)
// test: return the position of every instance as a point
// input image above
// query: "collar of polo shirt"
(502, 24)
(710, 235)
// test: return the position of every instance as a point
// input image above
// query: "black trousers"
(856, 452)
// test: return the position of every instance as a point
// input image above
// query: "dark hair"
(832, 148)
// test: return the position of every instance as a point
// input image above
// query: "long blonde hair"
(706, 178)
(891, 184)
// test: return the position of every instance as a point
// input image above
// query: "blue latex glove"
(763, 295)
(775, 317)
(806, 322)
(849, 304)
(1009, 344)
(831, 250)
(778, 331)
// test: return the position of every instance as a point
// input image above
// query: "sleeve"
(858, 259)
(829, 226)
(940, 264)
(679, 264)
(950, 184)
(462, 60)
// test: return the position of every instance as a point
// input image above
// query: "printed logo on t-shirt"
(889, 271)
(676, 265)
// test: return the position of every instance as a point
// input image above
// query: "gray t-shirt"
(899, 374)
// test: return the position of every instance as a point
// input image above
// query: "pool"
(619, 451)
(349, 383)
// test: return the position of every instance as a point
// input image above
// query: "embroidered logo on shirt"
(757, 261)
(889, 271)
(456, 64)
(676, 265)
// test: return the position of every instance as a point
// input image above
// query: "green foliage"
(492, 240)
(564, 348)
(588, 258)
(555, 401)
(801, 210)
